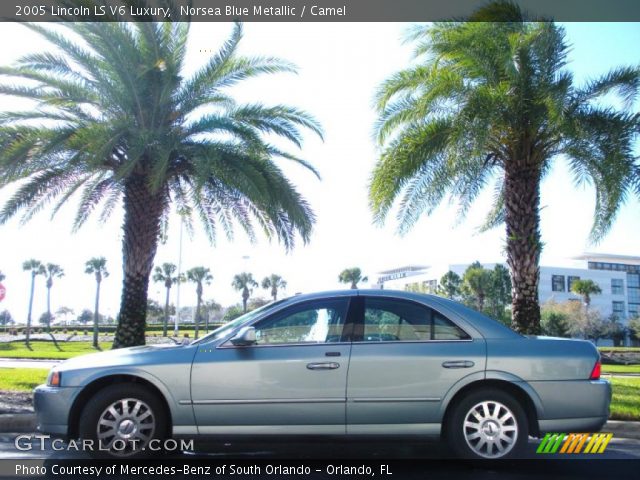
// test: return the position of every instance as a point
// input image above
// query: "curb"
(18, 422)
(622, 429)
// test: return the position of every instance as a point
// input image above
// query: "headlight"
(53, 380)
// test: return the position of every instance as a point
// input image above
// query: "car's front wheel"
(488, 424)
(122, 420)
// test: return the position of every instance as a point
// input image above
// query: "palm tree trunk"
(166, 314)
(48, 309)
(143, 210)
(245, 297)
(28, 331)
(96, 316)
(522, 208)
(53, 338)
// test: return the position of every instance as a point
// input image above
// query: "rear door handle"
(458, 364)
(323, 366)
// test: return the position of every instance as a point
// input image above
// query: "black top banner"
(305, 10)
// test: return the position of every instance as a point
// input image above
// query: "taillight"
(595, 373)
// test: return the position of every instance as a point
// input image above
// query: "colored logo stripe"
(574, 443)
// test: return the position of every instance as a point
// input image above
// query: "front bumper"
(52, 406)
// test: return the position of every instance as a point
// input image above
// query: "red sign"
(3, 291)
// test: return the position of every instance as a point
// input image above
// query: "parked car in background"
(353, 363)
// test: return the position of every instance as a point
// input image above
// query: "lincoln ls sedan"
(344, 363)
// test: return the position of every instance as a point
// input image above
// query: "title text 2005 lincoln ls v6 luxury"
(350, 363)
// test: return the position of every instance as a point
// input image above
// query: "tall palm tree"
(51, 271)
(493, 101)
(244, 282)
(274, 282)
(35, 268)
(166, 274)
(586, 288)
(352, 276)
(119, 122)
(96, 266)
(199, 276)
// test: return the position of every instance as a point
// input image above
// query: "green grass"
(620, 368)
(626, 398)
(47, 350)
(22, 379)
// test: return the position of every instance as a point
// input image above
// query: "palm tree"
(208, 308)
(493, 101)
(199, 275)
(244, 282)
(586, 288)
(165, 274)
(476, 284)
(35, 267)
(118, 121)
(449, 285)
(51, 271)
(352, 276)
(274, 282)
(97, 266)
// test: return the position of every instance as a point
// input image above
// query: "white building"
(617, 275)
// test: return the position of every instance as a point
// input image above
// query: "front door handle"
(323, 366)
(458, 364)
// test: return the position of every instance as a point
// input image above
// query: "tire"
(476, 430)
(121, 419)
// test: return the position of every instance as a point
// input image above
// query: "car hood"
(121, 356)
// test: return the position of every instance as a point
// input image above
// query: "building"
(617, 275)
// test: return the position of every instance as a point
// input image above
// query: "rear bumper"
(573, 406)
(572, 425)
(52, 406)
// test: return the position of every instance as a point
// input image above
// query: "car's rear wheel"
(122, 419)
(488, 424)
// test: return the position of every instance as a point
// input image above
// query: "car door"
(404, 359)
(292, 380)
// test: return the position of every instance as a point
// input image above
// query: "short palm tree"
(493, 101)
(96, 266)
(449, 285)
(35, 268)
(352, 276)
(208, 309)
(199, 276)
(244, 282)
(275, 283)
(118, 122)
(586, 288)
(166, 274)
(51, 271)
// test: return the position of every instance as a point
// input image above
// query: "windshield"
(233, 324)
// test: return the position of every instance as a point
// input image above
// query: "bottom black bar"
(543, 468)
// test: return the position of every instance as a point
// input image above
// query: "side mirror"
(245, 336)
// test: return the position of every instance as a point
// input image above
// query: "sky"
(339, 68)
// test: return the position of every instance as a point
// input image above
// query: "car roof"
(488, 327)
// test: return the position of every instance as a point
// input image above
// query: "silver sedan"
(354, 363)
